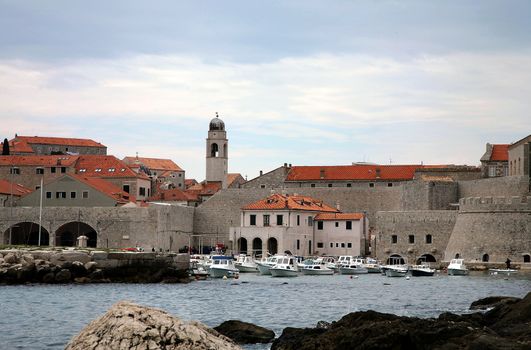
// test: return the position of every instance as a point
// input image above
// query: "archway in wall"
(395, 259)
(257, 247)
(485, 258)
(457, 256)
(67, 234)
(527, 258)
(26, 233)
(242, 245)
(426, 258)
(272, 245)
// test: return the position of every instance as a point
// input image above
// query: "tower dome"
(217, 124)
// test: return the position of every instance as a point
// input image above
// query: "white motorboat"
(421, 270)
(246, 263)
(457, 268)
(372, 265)
(328, 261)
(344, 260)
(396, 270)
(222, 266)
(353, 268)
(503, 271)
(317, 267)
(285, 267)
(266, 264)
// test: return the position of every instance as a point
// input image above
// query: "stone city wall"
(497, 186)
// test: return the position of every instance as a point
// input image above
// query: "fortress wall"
(497, 226)
(428, 195)
(497, 186)
(437, 223)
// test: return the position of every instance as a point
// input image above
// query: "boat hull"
(353, 271)
(263, 269)
(220, 273)
(422, 273)
(276, 272)
(312, 272)
(395, 273)
(457, 272)
(244, 268)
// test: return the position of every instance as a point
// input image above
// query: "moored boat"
(396, 270)
(266, 264)
(285, 267)
(421, 270)
(245, 263)
(457, 267)
(353, 269)
(222, 266)
(316, 268)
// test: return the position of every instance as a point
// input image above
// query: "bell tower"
(217, 152)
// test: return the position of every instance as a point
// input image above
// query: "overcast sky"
(302, 82)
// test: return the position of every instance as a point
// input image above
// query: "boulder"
(63, 276)
(130, 326)
(78, 269)
(70, 256)
(490, 302)
(91, 266)
(48, 278)
(245, 333)
(10, 258)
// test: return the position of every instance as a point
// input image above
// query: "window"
(411, 239)
(331, 245)
(527, 258)
(343, 245)
(349, 245)
(15, 171)
(180, 175)
(63, 170)
(492, 171)
(310, 221)
(428, 239)
(337, 224)
(319, 225)
(82, 170)
(298, 244)
(112, 170)
(98, 170)
(37, 188)
(312, 185)
(280, 220)
(262, 186)
(52, 170)
(394, 239)
(329, 185)
(126, 188)
(73, 195)
(48, 195)
(252, 219)
(320, 245)
(337, 245)
(389, 184)
(266, 220)
(39, 171)
(349, 185)
(371, 184)
(85, 194)
(142, 191)
(60, 194)
(298, 220)
(349, 225)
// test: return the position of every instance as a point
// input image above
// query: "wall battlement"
(496, 204)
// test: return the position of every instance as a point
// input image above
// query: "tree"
(5, 148)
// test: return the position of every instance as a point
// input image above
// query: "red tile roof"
(18, 190)
(105, 166)
(338, 216)
(58, 141)
(44, 161)
(355, 172)
(189, 182)
(287, 202)
(106, 188)
(173, 195)
(231, 177)
(500, 153)
(154, 163)
(19, 147)
(205, 188)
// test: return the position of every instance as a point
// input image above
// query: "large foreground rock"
(506, 326)
(245, 333)
(130, 326)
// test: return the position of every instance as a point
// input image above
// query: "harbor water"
(47, 316)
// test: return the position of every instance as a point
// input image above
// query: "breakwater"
(19, 266)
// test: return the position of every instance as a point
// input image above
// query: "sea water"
(48, 316)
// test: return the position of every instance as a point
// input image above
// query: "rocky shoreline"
(501, 323)
(91, 266)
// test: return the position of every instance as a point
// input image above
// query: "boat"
(266, 264)
(328, 261)
(344, 260)
(396, 270)
(421, 270)
(285, 267)
(352, 269)
(457, 268)
(505, 271)
(197, 270)
(317, 267)
(372, 265)
(222, 266)
(246, 263)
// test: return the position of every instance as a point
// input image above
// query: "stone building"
(24, 145)
(495, 161)
(217, 156)
(163, 172)
(340, 234)
(520, 157)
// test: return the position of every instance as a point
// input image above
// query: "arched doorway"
(257, 247)
(527, 258)
(67, 234)
(26, 233)
(457, 256)
(395, 259)
(242, 245)
(426, 258)
(485, 258)
(272, 245)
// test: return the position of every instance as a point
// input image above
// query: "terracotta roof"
(189, 182)
(231, 177)
(106, 188)
(58, 141)
(500, 153)
(173, 195)
(19, 147)
(17, 189)
(338, 216)
(154, 163)
(105, 166)
(355, 172)
(287, 202)
(205, 188)
(44, 161)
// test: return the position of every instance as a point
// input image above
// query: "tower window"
(214, 150)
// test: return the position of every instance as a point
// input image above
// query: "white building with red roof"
(283, 222)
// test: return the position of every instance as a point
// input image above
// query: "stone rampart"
(495, 204)
(497, 186)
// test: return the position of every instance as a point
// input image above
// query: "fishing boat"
(222, 266)
(503, 271)
(353, 268)
(421, 270)
(396, 270)
(317, 267)
(285, 267)
(266, 264)
(457, 268)
(246, 263)
(372, 265)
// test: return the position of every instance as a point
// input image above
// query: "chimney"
(285, 165)
(377, 173)
(322, 174)
(261, 172)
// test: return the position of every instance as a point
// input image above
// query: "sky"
(299, 82)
